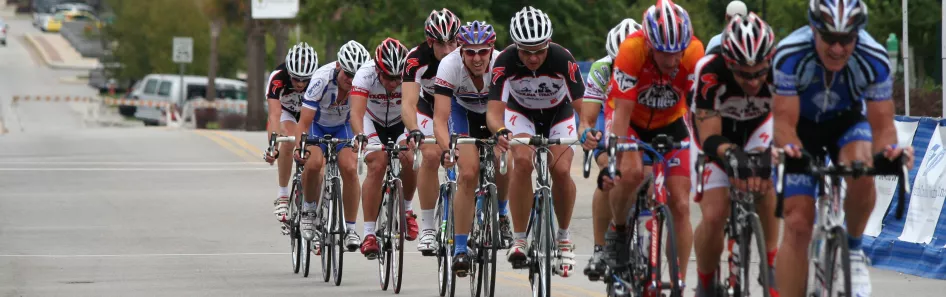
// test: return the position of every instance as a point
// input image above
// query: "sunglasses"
(843, 39)
(534, 52)
(479, 52)
(750, 75)
(349, 74)
(299, 79)
(389, 77)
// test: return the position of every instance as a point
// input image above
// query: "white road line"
(132, 163)
(140, 169)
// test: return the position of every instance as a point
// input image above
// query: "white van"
(167, 88)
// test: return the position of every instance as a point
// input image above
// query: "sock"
(771, 255)
(705, 278)
(427, 219)
(369, 228)
(562, 235)
(310, 205)
(519, 235)
(854, 243)
(502, 207)
(283, 191)
(350, 225)
(407, 205)
(459, 241)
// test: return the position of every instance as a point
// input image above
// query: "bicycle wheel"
(384, 255)
(442, 277)
(494, 242)
(325, 245)
(295, 237)
(540, 268)
(838, 265)
(337, 237)
(476, 247)
(665, 229)
(399, 232)
(450, 246)
(753, 230)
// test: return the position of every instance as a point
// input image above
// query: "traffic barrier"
(173, 119)
(917, 244)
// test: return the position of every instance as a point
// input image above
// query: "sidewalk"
(58, 53)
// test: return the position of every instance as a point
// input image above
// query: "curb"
(43, 54)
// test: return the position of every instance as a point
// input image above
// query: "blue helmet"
(667, 27)
(837, 16)
(477, 32)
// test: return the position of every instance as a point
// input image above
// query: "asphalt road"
(95, 211)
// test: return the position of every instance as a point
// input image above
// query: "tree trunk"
(255, 52)
(202, 116)
(281, 36)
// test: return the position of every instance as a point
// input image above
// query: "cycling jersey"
(454, 80)
(540, 98)
(798, 72)
(280, 88)
(322, 97)
(831, 114)
(714, 42)
(383, 108)
(746, 120)
(596, 84)
(661, 98)
(422, 66)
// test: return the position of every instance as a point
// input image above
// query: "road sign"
(183, 51)
(275, 9)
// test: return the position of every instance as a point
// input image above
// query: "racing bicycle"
(301, 248)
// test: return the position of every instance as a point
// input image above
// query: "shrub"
(924, 101)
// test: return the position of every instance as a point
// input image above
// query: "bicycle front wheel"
(493, 243)
(665, 230)
(837, 277)
(337, 237)
(295, 235)
(398, 231)
(754, 231)
(541, 255)
(384, 253)
(325, 245)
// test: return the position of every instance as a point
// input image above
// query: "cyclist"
(464, 75)
(832, 81)
(377, 90)
(286, 85)
(534, 84)
(326, 111)
(733, 9)
(733, 98)
(592, 116)
(422, 62)
(647, 91)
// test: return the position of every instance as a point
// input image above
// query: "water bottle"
(644, 232)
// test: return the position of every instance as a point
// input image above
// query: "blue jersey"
(798, 72)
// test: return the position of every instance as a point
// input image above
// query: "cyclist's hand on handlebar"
(790, 150)
(296, 155)
(268, 157)
(894, 151)
(590, 138)
(361, 141)
(445, 158)
(502, 142)
(414, 139)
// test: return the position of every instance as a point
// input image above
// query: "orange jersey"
(660, 98)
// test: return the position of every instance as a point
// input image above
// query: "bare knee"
(715, 208)
(523, 161)
(798, 222)
(376, 164)
(347, 164)
(431, 154)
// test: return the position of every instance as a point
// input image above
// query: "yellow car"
(54, 23)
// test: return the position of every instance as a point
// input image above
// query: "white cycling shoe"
(428, 245)
(282, 208)
(860, 277)
(565, 262)
(352, 240)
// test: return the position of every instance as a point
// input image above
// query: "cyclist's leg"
(467, 179)
(287, 125)
(678, 185)
(600, 208)
(563, 188)
(371, 188)
(622, 198)
(520, 196)
(428, 183)
(760, 140)
(351, 190)
(708, 238)
(474, 124)
(408, 181)
(312, 187)
(856, 145)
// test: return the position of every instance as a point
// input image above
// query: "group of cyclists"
(825, 88)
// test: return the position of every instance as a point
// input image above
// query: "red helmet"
(442, 25)
(748, 40)
(390, 57)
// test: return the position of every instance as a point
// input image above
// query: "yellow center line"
(239, 141)
(226, 145)
(571, 288)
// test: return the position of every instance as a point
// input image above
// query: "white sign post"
(275, 9)
(182, 54)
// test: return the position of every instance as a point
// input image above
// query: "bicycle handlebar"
(455, 140)
(754, 164)
(660, 145)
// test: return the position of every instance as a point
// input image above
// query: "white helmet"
(530, 26)
(618, 33)
(351, 56)
(302, 61)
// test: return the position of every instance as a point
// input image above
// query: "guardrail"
(917, 244)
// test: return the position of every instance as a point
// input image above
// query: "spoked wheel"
(398, 233)
(474, 250)
(384, 254)
(670, 264)
(305, 253)
(295, 235)
(326, 243)
(746, 247)
(540, 266)
(443, 261)
(837, 255)
(490, 242)
(337, 239)
(295, 241)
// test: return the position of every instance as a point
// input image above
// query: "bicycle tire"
(337, 239)
(399, 233)
(495, 242)
(295, 236)
(665, 219)
(451, 224)
(837, 243)
(442, 277)
(540, 273)
(476, 246)
(384, 257)
(754, 229)
(325, 244)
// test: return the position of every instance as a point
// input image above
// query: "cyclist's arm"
(310, 104)
(622, 117)
(880, 117)
(441, 115)
(495, 113)
(410, 93)
(708, 123)
(498, 94)
(786, 108)
(591, 102)
(306, 116)
(707, 118)
(275, 110)
(623, 93)
(590, 109)
(359, 103)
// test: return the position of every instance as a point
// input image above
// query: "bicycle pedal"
(428, 253)
(520, 264)
(462, 273)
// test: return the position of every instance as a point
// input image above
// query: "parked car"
(3, 32)
(68, 12)
(54, 23)
(167, 88)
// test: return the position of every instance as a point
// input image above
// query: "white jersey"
(454, 80)
(322, 96)
(384, 108)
